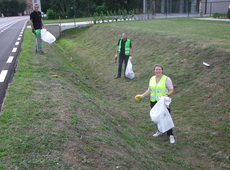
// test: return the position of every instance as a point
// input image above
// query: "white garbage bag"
(129, 70)
(160, 115)
(47, 36)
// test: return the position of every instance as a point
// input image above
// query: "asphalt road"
(11, 37)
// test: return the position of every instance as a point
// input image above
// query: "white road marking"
(17, 43)
(3, 75)
(10, 59)
(14, 50)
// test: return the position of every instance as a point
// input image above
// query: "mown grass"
(86, 119)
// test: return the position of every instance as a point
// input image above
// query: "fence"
(215, 7)
(188, 7)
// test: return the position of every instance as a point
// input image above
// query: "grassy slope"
(85, 119)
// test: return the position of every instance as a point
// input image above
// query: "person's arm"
(170, 92)
(169, 86)
(117, 48)
(42, 24)
(31, 24)
(116, 52)
(146, 92)
(131, 51)
(139, 96)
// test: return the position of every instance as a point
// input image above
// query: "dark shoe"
(117, 77)
(42, 53)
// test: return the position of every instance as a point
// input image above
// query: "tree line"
(86, 8)
(12, 7)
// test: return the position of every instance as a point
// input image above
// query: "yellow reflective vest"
(157, 89)
(127, 47)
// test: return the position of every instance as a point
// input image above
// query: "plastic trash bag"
(129, 70)
(160, 115)
(47, 36)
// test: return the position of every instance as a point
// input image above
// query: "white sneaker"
(157, 134)
(172, 139)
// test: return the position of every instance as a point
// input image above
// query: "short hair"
(158, 65)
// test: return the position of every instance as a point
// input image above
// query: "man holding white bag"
(124, 51)
(36, 25)
(159, 86)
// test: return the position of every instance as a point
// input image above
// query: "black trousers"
(122, 59)
(169, 132)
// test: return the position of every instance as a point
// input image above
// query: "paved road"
(11, 36)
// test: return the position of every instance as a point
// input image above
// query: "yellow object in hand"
(137, 97)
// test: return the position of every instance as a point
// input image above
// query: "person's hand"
(139, 96)
(33, 31)
(115, 56)
(130, 57)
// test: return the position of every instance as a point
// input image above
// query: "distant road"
(11, 36)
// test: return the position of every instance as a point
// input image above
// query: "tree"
(46, 4)
(81, 8)
(12, 7)
(22, 6)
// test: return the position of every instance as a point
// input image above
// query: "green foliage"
(219, 15)
(95, 17)
(51, 14)
(101, 9)
(12, 7)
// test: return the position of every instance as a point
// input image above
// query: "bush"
(219, 15)
(51, 14)
(102, 9)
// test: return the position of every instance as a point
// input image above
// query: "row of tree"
(86, 8)
(12, 7)
(70, 8)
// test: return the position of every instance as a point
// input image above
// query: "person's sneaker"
(172, 139)
(41, 53)
(157, 134)
(117, 77)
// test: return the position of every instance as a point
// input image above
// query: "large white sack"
(129, 70)
(160, 115)
(47, 36)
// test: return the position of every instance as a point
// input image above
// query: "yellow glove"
(139, 96)
(115, 56)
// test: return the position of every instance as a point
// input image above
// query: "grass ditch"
(86, 119)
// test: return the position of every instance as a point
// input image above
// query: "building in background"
(215, 6)
(185, 6)
(30, 5)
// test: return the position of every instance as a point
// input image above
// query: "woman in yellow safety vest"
(159, 85)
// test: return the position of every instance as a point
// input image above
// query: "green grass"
(86, 119)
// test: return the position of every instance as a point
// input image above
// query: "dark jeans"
(169, 132)
(122, 58)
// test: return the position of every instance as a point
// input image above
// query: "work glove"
(33, 31)
(139, 96)
(115, 56)
(130, 57)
